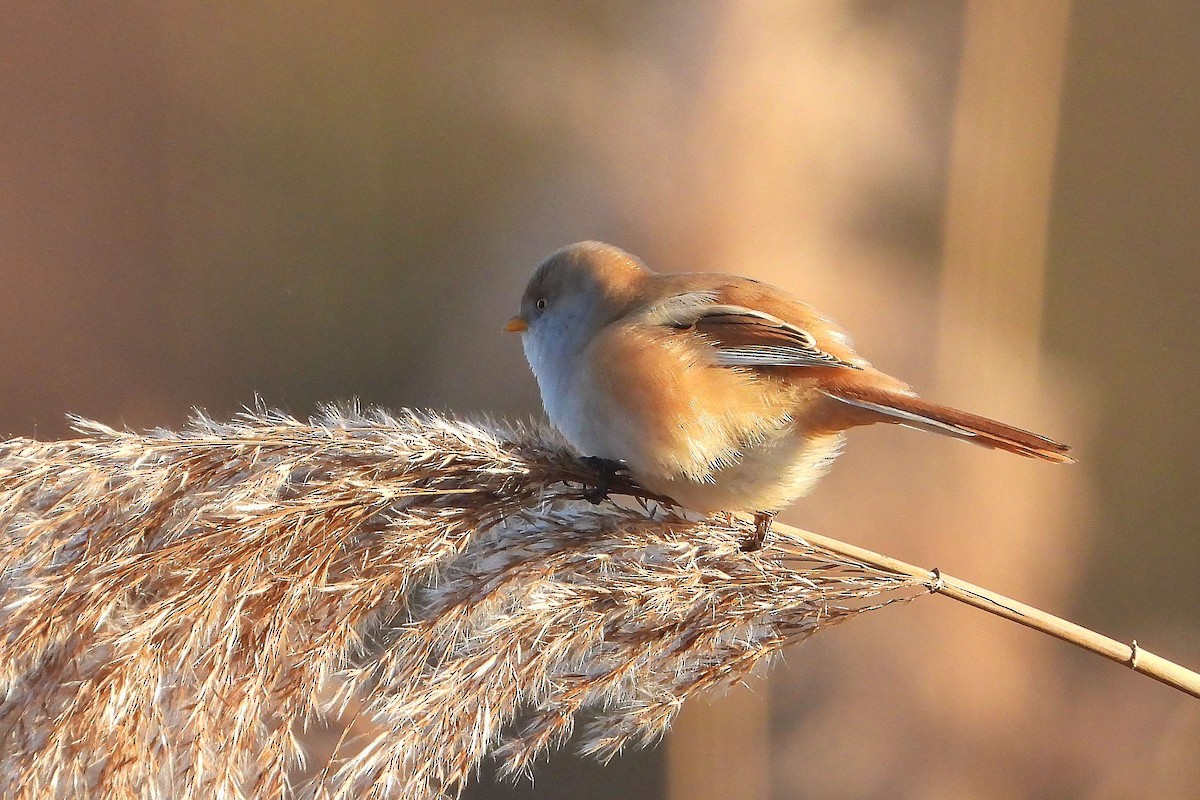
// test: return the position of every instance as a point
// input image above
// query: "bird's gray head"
(572, 295)
(582, 287)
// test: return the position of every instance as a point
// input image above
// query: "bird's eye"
(541, 303)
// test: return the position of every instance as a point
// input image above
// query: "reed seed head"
(179, 607)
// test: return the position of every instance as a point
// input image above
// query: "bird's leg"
(762, 526)
(606, 470)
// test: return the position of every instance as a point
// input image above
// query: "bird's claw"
(762, 527)
(606, 471)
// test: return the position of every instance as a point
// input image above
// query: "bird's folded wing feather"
(745, 337)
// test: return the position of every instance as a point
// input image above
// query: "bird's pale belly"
(768, 477)
(677, 461)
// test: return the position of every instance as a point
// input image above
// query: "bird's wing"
(746, 337)
(742, 336)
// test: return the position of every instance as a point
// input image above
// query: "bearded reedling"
(720, 392)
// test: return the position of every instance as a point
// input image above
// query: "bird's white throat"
(554, 347)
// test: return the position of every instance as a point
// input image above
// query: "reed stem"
(1131, 655)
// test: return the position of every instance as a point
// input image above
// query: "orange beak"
(517, 325)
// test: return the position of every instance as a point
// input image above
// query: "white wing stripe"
(770, 356)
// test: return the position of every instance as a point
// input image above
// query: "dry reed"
(178, 607)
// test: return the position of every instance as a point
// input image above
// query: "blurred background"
(1001, 200)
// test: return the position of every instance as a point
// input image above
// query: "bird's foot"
(762, 526)
(606, 470)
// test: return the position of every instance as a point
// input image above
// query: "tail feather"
(912, 411)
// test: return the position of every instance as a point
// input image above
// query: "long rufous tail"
(912, 411)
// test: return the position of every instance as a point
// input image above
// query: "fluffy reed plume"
(177, 607)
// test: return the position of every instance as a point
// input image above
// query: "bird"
(722, 393)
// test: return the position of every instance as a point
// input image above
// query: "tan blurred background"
(1000, 199)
